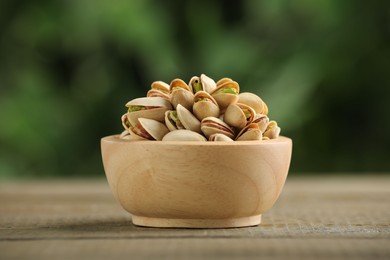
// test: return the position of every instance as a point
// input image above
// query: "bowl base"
(196, 223)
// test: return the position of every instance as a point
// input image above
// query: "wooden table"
(315, 218)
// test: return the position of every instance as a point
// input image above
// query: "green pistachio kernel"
(136, 108)
(228, 90)
(175, 120)
(197, 86)
(173, 116)
(201, 99)
(247, 113)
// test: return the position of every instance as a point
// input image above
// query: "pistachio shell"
(236, 117)
(196, 84)
(202, 83)
(157, 93)
(125, 122)
(159, 89)
(189, 121)
(134, 136)
(223, 80)
(178, 83)
(181, 93)
(205, 105)
(262, 121)
(220, 138)
(208, 83)
(249, 133)
(172, 125)
(253, 101)
(149, 102)
(183, 135)
(156, 129)
(160, 85)
(225, 99)
(131, 136)
(156, 109)
(213, 125)
(272, 130)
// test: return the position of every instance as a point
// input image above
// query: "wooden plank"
(341, 217)
(197, 248)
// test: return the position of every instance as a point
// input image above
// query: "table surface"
(326, 217)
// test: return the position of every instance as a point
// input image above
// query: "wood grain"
(314, 218)
(196, 184)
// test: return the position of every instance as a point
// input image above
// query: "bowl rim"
(115, 139)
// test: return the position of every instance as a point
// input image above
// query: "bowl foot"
(196, 223)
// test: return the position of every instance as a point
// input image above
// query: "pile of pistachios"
(198, 111)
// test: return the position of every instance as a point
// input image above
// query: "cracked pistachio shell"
(239, 115)
(159, 89)
(179, 83)
(125, 122)
(225, 98)
(223, 80)
(188, 120)
(183, 135)
(202, 83)
(155, 108)
(213, 125)
(250, 133)
(205, 105)
(208, 83)
(181, 93)
(253, 101)
(134, 136)
(272, 130)
(220, 138)
(196, 84)
(154, 128)
(160, 85)
(172, 124)
(262, 121)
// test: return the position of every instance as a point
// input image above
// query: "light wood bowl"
(196, 184)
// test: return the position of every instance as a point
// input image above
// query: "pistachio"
(125, 122)
(249, 133)
(208, 83)
(213, 125)
(196, 84)
(181, 93)
(148, 107)
(148, 129)
(183, 135)
(189, 121)
(220, 138)
(226, 93)
(172, 121)
(262, 121)
(253, 101)
(272, 130)
(202, 83)
(159, 89)
(205, 105)
(223, 80)
(239, 115)
(198, 110)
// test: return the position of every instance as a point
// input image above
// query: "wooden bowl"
(196, 184)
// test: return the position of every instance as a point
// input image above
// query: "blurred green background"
(68, 67)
